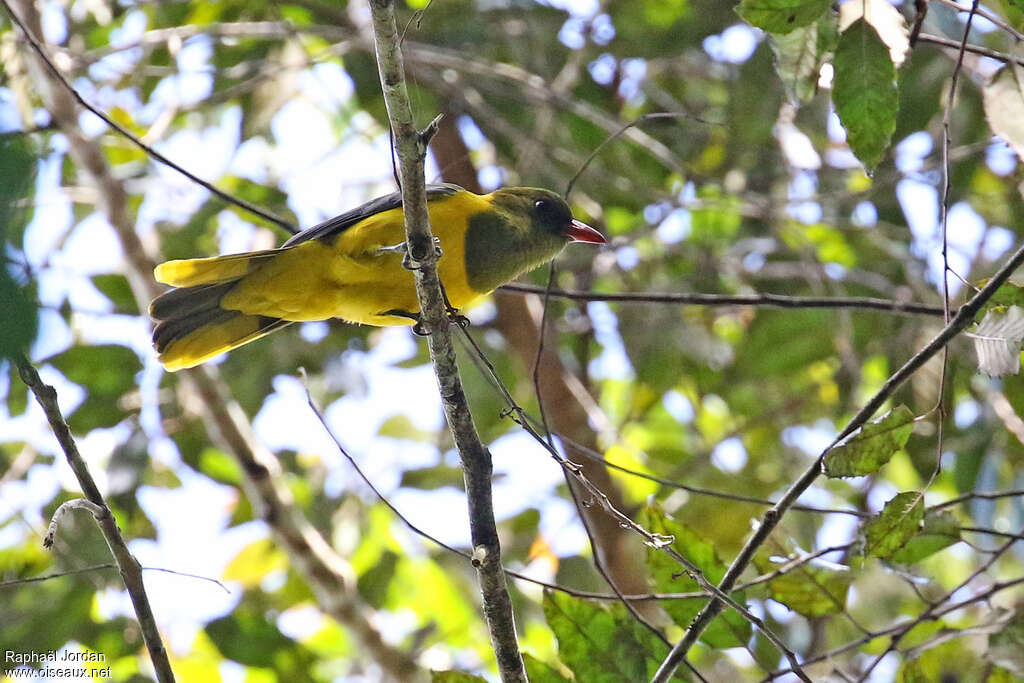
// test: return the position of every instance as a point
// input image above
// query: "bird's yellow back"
(348, 276)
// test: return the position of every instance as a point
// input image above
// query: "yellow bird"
(350, 267)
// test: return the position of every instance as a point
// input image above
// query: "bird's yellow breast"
(349, 277)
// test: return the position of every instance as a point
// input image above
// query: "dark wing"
(338, 224)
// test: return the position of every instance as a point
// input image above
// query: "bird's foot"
(401, 248)
(455, 317)
(419, 327)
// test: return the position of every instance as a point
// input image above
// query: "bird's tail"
(192, 327)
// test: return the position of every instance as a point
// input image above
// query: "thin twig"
(328, 575)
(897, 628)
(964, 317)
(131, 137)
(644, 118)
(973, 49)
(411, 145)
(659, 542)
(593, 595)
(128, 566)
(756, 300)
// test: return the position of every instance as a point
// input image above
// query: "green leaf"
(454, 677)
(911, 672)
(872, 446)
(810, 590)
(864, 92)
(252, 564)
(899, 520)
(18, 159)
(220, 466)
(1010, 293)
(542, 672)
(107, 372)
(375, 582)
(401, 427)
(719, 221)
(20, 315)
(115, 287)
(249, 637)
(1006, 648)
(782, 16)
(601, 644)
(432, 477)
(17, 392)
(940, 530)
(800, 54)
(728, 629)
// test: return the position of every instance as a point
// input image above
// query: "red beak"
(581, 232)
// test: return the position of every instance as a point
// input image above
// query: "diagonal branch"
(964, 317)
(57, 76)
(411, 146)
(327, 574)
(131, 570)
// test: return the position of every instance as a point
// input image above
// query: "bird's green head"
(545, 213)
(525, 227)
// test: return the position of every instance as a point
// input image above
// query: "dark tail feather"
(193, 327)
(184, 301)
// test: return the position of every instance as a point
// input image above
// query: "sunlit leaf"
(940, 530)
(872, 446)
(454, 677)
(911, 672)
(896, 524)
(254, 562)
(541, 672)
(401, 427)
(728, 629)
(601, 644)
(811, 589)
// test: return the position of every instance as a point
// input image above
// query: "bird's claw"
(407, 262)
(457, 318)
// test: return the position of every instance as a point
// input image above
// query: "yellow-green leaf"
(872, 446)
(899, 520)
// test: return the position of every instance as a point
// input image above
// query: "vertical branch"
(327, 574)
(411, 146)
(131, 570)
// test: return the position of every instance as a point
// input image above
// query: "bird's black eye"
(551, 214)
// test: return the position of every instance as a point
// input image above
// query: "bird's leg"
(453, 313)
(418, 329)
(401, 248)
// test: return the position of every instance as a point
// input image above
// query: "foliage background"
(751, 189)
